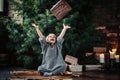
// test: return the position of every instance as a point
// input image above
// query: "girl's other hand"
(66, 26)
(34, 25)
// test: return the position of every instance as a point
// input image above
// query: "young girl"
(53, 62)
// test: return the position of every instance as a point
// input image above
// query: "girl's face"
(51, 38)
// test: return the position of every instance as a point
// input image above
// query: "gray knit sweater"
(52, 62)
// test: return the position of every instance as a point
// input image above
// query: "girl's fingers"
(68, 27)
(33, 24)
(64, 25)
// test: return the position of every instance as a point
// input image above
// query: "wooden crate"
(60, 9)
(72, 60)
(99, 49)
(93, 67)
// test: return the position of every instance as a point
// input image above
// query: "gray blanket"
(52, 62)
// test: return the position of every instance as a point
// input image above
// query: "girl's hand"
(34, 25)
(66, 26)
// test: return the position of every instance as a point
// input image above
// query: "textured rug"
(34, 75)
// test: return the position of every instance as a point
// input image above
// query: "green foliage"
(26, 61)
(24, 39)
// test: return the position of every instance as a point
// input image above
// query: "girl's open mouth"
(52, 39)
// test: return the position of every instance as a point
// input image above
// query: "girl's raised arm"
(65, 27)
(38, 30)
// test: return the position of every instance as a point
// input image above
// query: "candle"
(102, 58)
(112, 54)
(1, 5)
(117, 58)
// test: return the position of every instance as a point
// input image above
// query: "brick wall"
(107, 13)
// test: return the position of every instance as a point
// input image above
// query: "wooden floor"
(23, 74)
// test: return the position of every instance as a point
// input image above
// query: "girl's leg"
(59, 71)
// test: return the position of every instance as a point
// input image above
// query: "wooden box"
(71, 59)
(60, 9)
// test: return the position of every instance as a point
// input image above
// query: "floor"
(88, 75)
(5, 71)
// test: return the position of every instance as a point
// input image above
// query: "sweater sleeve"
(43, 44)
(60, 40)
